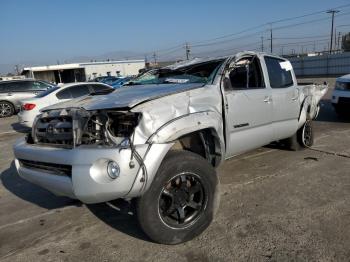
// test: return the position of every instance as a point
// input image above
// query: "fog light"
(113, 169)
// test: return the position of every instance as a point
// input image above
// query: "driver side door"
(248, 106)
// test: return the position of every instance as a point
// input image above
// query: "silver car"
(12, 92)
(159, 138)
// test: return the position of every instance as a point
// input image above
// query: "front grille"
(57, 130)
(55, 169)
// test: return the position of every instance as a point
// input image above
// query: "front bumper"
(89, 181)
(337, 96)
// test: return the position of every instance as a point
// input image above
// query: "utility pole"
(188, 51)
(271, 48)
(17, 69)
(155, 58)
(332, 12)
(262, 44)
(339, 40)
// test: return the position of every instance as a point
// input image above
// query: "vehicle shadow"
(328, 114)
(32, 193)
(20, 128)
(120, 215)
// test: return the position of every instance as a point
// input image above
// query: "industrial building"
(79, 72)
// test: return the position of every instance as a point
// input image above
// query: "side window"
(245, 73)
(4, 87)
(98, 88)
(64, 94)
(40, 85)
(79, 90)
(279, 72)
(21, 86)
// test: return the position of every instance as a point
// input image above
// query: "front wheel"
(182, 199)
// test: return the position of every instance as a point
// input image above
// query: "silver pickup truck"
(160, 138)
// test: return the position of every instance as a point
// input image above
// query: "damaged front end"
(70, 152)
(72, 127)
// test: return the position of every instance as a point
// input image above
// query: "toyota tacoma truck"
(160, 138)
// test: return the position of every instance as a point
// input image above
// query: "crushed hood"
(126, 97)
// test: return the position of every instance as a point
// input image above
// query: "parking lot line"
(10, 132)
(36, 217)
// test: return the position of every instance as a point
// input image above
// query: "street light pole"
(333, 12)
(271, 48)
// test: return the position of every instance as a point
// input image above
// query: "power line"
(210, 42)
(271, 22)
(332, 12)
(255, 33)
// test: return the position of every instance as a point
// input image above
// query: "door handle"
(268, 99)
(9, 94)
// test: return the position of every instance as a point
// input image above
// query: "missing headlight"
(123, 124)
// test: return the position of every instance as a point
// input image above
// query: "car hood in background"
(345, 78)
(126, 97)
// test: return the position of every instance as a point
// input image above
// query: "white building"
(6, 78)
(79, 72)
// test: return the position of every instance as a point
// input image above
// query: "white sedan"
(30, 108)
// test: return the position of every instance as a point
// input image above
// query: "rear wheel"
(6, 109)
(303, 138)
(181, 202)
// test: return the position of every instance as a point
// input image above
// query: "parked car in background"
(13, 91)
(105, 79)
(120, 82)
(341, 95)
(30, 108)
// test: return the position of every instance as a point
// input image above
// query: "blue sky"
(46, 31)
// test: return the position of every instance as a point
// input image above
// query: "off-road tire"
(173, 168)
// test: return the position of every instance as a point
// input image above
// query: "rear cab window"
(279, 71)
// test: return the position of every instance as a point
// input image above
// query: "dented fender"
(310, 97)
(186, 124)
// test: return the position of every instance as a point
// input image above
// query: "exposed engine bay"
(73, 127)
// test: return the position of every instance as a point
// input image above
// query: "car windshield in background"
(195, 73)
(48, 91)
